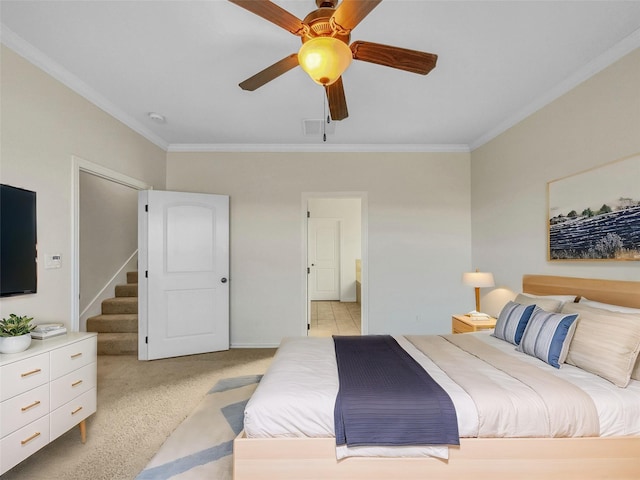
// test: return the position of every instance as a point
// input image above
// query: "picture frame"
(594, 215)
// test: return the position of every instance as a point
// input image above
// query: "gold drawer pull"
(34, 404)
(76, 410)
(37, 370)
(75, 384)
(35, 435)
(76, 355)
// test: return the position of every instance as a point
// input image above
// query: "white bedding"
(296, 396)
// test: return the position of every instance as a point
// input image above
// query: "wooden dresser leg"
(83, 431)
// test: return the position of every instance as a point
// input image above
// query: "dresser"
(45, 391)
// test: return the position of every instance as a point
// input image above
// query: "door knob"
(223, 280)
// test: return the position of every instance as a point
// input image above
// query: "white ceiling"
(498, 62)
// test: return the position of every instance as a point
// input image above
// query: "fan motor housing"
(327, 3)
(319, 23)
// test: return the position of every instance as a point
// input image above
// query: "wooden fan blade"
(273, 13)
(395, 57)
(269, 73)
(351, 12)
(337, 100)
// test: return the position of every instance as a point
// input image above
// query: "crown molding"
(615, 53)
(324, 147)
(43, 62)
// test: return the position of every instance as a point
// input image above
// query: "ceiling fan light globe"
(324, 59)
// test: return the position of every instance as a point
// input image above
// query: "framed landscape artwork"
(595, 214)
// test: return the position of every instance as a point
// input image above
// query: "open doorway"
(335, 255)
(121, 192)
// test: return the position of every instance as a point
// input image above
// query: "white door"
(324, 258)
(183, 274)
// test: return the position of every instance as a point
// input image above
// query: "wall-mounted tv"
(18, 241)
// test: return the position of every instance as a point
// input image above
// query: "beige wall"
(595, 123)
(43, 125)
(418, 234)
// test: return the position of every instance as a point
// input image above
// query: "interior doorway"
(340, 307)
(81, 196)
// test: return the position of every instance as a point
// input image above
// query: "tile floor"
(334, 318)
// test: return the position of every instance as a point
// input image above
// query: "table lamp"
(478, 280)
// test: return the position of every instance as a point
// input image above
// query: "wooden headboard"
(616, 292)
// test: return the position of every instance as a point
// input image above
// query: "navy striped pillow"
(548, 336)
(512, 322)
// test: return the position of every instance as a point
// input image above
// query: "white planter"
(15, 344)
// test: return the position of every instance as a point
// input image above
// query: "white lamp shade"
(478, 279)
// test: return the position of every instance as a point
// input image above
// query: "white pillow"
(550, 303)
(605, 343)
(608, 306)
(635, 373)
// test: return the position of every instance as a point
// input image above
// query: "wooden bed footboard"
(477, 458)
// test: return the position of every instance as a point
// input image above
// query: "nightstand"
(463, 323)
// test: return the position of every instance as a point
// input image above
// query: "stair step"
(120, 305)
(128, 290)
(132, 277)
(119, 323)
(117, 344)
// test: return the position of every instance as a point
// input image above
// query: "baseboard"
(254, 345)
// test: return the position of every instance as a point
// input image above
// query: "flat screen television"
(18, 241)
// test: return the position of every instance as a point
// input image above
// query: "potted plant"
(15, 333)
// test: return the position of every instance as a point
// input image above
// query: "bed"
(615, 455)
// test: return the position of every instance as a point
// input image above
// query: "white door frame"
(364, 226)
(82, 165)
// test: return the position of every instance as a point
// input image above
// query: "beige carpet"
(139, 405)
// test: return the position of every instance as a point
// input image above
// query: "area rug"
(201, 446)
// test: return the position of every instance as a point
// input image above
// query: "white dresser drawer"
(65, 389)
(23, 409)
(71, 357)
(61, 369)
(72, 413)
(24, 442)
(23, 375)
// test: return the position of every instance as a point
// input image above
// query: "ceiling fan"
(325, 53)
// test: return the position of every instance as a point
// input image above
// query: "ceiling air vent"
(313, 127)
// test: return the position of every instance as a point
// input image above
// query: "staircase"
(117, 326)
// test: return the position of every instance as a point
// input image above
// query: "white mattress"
(296, 397)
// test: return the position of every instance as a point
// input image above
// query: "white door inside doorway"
(324, 258)
(184, 266)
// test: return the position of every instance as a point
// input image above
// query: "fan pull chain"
(324, 114)
(324, 125)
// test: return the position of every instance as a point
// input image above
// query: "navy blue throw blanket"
(386, 398)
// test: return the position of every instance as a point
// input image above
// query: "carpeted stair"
(117, 326)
